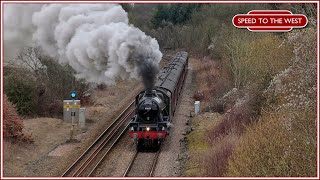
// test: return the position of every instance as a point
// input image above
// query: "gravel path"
(170, 160)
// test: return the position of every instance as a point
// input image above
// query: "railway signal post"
(73, 114)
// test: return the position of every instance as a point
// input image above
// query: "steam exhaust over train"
(96, 40)
(154, 109)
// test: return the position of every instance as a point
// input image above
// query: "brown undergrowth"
(13, 124)
(268, 124)
(212, 79)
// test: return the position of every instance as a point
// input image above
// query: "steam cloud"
(94, 39)
(18, 28)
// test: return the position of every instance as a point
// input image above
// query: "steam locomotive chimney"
(149, 92)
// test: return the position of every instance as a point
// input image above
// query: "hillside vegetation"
(283, 140)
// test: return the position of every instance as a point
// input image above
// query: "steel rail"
(108, 132)
(109, 149)
(130, 164)
(154, 163)
(151, 170)
(90, 159)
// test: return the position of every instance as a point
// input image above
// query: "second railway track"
(86, 164)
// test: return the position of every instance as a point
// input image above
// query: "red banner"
(270, 20)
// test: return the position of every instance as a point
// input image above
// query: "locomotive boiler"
(154, 109)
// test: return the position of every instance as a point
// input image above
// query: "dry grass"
(198, 144)
(49, 133)
(207, 156)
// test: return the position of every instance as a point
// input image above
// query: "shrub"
(240, 108)
(21, 91)
(173, 13)
(212, 80)
(277, 146)
(12, 123)
(284, 141)
(257, 153)
(216, 106)
(218, 155)
(296, 86)
(198, 96)
(254, 58)
(38, 84)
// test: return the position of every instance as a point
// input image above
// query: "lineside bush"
(284, 141)
(20, 90)
(254, 58)
(212, 80)
(217, 157)
(276, 147)
(12, 123)
(38, 84)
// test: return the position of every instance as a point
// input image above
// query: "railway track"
(86, 164)
(89, 161)
(139, 160)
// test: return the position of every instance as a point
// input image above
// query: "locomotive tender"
(155, 109)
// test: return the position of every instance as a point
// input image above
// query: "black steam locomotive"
(155, 109)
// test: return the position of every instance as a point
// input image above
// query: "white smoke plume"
(95, 39)
(18, 28)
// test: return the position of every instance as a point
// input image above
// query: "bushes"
(200, 34)
(254, 58)
(277, 146)
(21, 91)
(12, 123)
(212, 80)
(283, 142)
(218, 155)
(37, 84)
(258, 154)
(241, 113)
(173, 13)
(296, 86)
(278, 119)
